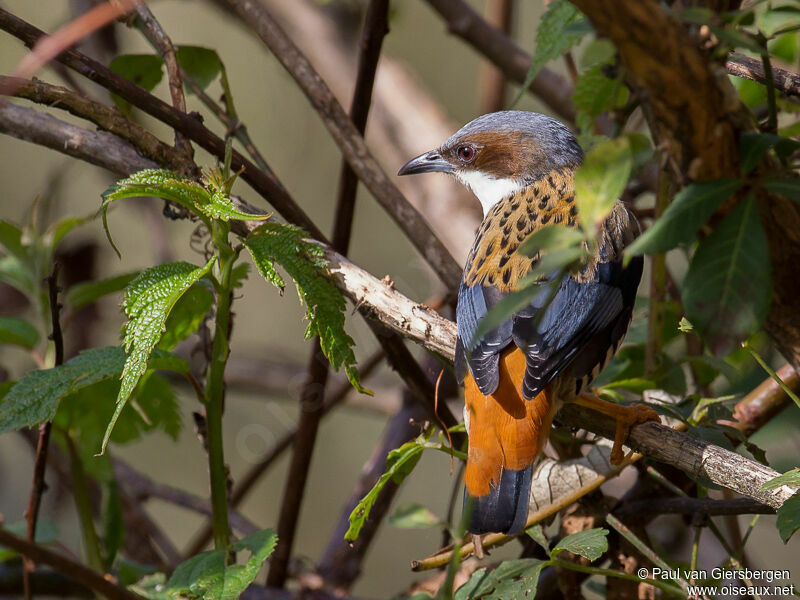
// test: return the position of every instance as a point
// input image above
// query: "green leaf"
(728, 289)
(35, 398)
(524, 586)
(207, 203)
(513, 579)
(325, 306)
(201, 64)
(552, 38)
(789, 478)
(19, 332)
(536, 533)
(789, 518)
(591, 544)
(596, 93)
(753, 146)
(58, 230)
(551, 237)
(145, 70)
(686, 214)
(736, 38)
(413, 516)
(11, 241)
(399, 463)
(186, 315)
(600, 180)
(148, 301)
(207, 575)
(88, 292)
(788, 188)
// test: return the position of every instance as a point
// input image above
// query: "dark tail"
(505, 508)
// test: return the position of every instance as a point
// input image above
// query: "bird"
(520, 165)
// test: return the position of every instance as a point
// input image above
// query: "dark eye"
(466, 153)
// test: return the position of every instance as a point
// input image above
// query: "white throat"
(489, 190)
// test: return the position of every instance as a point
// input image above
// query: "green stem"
(623, 530)
(772, 373)
(84, 505)
(619, 575)
(215, 389)
(658, 276)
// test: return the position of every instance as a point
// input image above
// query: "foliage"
(208, 575)
(275, 243)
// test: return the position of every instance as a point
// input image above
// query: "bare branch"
(158, 37)
(141, 487)
(104, 584)
(465, 22)
(647, 509)
(787, 82)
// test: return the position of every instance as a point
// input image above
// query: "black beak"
(429, 162)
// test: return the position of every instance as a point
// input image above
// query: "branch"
(688, 453)
(142, 487)
(465, 22)
(105, 117)
(647, 509)
(787, 82)
(40, 464)
(103, 584)
(160, 40)
(349, 141)
(96, 147)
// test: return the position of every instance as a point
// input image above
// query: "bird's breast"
(495, 259)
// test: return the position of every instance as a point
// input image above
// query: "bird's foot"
(625, 417)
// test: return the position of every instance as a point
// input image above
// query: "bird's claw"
(632, 415)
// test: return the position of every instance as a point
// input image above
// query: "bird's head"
(500, 153)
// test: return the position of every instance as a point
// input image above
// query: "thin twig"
(40, 464)
(160, 40)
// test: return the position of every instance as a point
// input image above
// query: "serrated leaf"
(788, 188)
(728, 289)
(186, 315)
(35, 398)
(789, 478)
(284, 244)
(208, 204)
(18, 332)
(88, 292)
(207, 575)
(591, 544)
(599, 181)
(753, 146)
(397, 463)
(201, 64)
(553, 38)
(148, 301)
(413, 516)
(789, 518)
(686, 214)
(145, 70)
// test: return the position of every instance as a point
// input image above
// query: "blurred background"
(424, 70)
